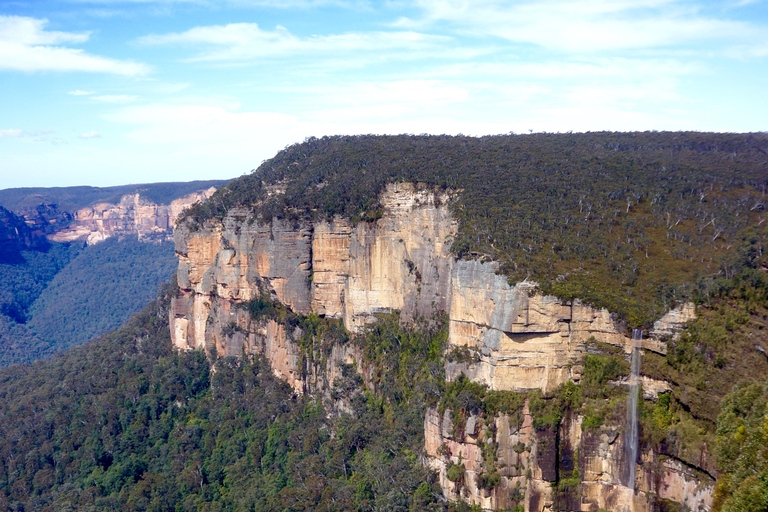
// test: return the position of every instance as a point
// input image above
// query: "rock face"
(401, 262)
(524, 340)
(514, 443)
(533, 464)
(509, 337)
(132, 215)
(16, 236)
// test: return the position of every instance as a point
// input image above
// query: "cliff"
(523, 339)
(16, 236)
(507, 337)
(573, 468)
(133, 214)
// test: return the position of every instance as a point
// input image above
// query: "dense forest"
(53, 295)
(634, 222)
(126, 423)
(61, 295)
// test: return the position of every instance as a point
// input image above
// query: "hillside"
(124, 422)
(15, 237)
(633, 222)
(67, 294)
(54, 295)
(665, 231)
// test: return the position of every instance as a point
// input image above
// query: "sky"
(109, 92)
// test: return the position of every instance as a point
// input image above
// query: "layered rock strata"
(132, 215)
(513, 441)
(402, 262)
(518, 338)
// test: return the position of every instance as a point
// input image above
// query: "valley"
(430, 323)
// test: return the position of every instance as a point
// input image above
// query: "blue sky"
(109, 92)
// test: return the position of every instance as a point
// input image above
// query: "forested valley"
(636, 223)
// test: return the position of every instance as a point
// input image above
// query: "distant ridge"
(70, 199)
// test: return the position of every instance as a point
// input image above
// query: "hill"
(124, 422)
(54, 295)
(321, 268)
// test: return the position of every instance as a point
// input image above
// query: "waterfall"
(630, 445)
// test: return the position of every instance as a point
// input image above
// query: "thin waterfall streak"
(630, 446)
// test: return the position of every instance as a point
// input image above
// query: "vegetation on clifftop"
(627, 221)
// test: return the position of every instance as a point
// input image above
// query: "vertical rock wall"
(401, 262)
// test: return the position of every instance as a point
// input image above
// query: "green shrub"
(455, 473)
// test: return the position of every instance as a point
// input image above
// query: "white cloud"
(90, 135)
(12, 133)
(31, 31)
(584, 26)
(163, 123)
(78, 92)
(244, 41)
(115, 98)
(25, 45)
(16, 133)
(385, 101)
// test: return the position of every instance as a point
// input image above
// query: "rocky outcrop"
(524, 340)
(16, 236)
(132, 215)
(514, 443)
(521, 339)
(339, 271)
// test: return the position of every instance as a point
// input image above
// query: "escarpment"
(515, 337)
(572, 467)
(331, 268)
(401, 262)
(507, 337)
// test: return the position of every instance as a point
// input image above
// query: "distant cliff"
(55, 294)
(16, 236)
(148, 209)
(133, 214)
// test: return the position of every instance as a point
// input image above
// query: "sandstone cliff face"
(533, 463)
(524, 340)
(132, 215)
(514, 443)
(517, 338)
(401, 262)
